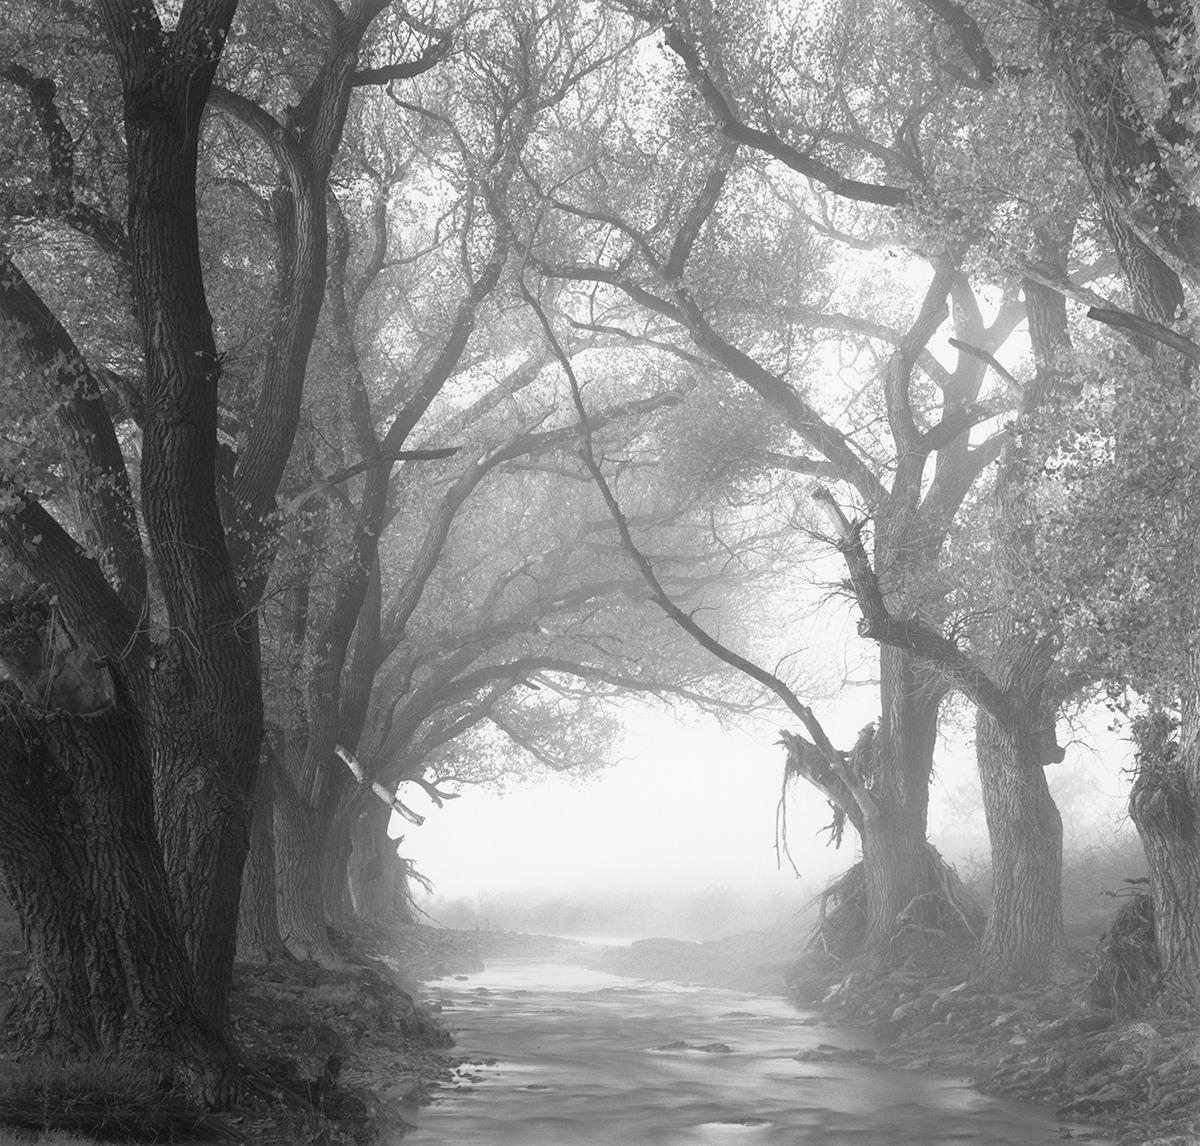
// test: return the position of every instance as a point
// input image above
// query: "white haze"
(688, 814)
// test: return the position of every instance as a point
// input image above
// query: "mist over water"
(619, 916)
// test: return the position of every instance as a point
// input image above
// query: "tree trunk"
(204, 814)
(1128, 171)
(335, 861)
(1024, 935)
(258, 937)
(1164, 805)
(895, 869)
(298, 879)
(895, 851)
(1024, 938)
(378, 875)
(80, 863)
(204, 695)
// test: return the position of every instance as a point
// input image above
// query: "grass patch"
(96, 1101)
(47, 1138)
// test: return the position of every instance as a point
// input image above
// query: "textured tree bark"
(297, 869)
(204, 697)
(1024, 936)
(204, 813)
(378, 876)
(258, 936)
(1164, 805)
(80, 863)
(895, 849)
(335, 862)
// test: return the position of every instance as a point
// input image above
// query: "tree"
(80, 861)
(175, 626)
(337, 625)
(505, 629)
(164, 80)
(1127, 78)
(697, 281)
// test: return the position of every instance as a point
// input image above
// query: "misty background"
(677, 836)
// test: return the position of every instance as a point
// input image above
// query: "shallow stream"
(565, 1056)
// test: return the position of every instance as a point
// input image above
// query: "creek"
(560, 1055)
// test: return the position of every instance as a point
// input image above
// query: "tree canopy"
(392, 392)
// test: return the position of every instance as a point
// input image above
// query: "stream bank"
(331, 1057)
(1138, 1078)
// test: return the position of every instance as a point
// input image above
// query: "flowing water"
(565, 1056)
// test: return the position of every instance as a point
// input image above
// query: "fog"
(677, 838)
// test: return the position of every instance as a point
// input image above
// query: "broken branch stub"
(389, 798)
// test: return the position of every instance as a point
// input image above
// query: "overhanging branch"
(387, 458)
(657, 592)
(1136, 324)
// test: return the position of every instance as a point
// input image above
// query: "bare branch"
(878, 624)
(383, 459)
(738, 132)
(990, 359)
(657, 592)
(1123, 320)
(433, 55)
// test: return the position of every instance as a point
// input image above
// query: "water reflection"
(563, 1055)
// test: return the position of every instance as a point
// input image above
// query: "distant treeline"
(705, 913)
(1091, 871)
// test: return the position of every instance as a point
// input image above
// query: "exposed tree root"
(1128, 974)
(931, 925)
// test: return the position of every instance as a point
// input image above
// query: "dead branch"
(389, 798)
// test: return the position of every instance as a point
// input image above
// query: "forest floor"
(1137, 1079)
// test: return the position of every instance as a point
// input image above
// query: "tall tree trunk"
(378, 875)
(1024, 935)
(895, 851)
(1164, 805)
(80, 863)
(298, 876)
(258, 936)
(204, 698)
(204, 813)
(335, 862)
(1024, 938)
